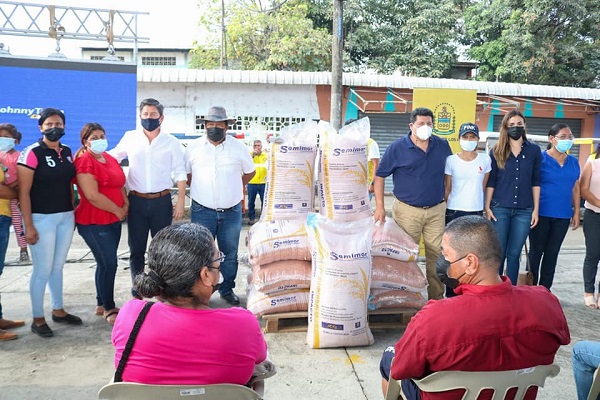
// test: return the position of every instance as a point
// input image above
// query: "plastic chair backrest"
(475, 382)
(138, 391)
(595, 389)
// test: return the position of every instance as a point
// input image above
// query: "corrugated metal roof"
(183, 75)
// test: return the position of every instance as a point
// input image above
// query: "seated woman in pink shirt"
(182, 340)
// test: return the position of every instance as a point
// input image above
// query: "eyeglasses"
(570, 137)
(219, 259)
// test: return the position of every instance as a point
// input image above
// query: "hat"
(468, 127)
(216, 114)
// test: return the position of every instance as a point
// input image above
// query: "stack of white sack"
(280, 256)
(396, 281)
(343, 181)
(290, 186)
(341, 271)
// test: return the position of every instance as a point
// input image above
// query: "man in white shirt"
(155, 164)
(218, 167)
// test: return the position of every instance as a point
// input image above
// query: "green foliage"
(282, 38)
(547, 42)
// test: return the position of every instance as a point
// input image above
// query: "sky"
(171, 24)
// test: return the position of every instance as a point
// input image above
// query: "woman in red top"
(103, 205)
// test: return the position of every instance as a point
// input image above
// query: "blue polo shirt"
(556, 192)
(418, 175)
(512, 184)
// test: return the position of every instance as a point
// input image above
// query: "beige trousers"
(430, 223)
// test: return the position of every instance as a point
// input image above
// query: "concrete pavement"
(78, 361)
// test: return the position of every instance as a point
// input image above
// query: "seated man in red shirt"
(491, 326)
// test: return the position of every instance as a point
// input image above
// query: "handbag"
(130, 341)
(525, 277)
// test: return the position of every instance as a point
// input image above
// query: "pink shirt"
(594, 184)
(9, 160)
(183, 346)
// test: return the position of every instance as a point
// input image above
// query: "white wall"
(183, 101)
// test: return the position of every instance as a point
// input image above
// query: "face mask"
(218, 285)
(150, 124)
(6, 143)
(54, 134)
(516, 132)
(424, 132)
(441, 267)
(215, 134)
(564, 145)
(468, 145)
(98, 146)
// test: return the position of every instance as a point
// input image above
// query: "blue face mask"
(98, 146)
(6, 144)
(564, 145)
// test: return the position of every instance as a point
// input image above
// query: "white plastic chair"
(138, 391)
(595, 389)
(475, 382)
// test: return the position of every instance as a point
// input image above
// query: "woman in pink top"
(8, 159)
(589, 185)
(182, 340)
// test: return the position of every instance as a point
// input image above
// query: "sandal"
(99, 311)
(590, 301)
(111, 315)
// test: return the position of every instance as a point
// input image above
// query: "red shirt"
(487, 328)
(110, 178)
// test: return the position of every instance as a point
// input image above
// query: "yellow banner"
(451, 108)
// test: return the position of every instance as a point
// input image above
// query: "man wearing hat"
(416, 163)
(218, 167)
(155, 164)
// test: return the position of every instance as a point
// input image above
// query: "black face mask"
(441, 268)
(150, 124)
(54, 134)
(516, 132)
(215, 134)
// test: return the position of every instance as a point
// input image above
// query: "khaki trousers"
(430, 223)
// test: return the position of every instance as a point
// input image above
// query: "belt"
(154, 195)
(216, 209)
(422, 207)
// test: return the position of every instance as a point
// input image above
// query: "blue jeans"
(591, 233)
(253, 190)
(145, 215)
(586, 359)
(48, 256)
(225, 226)
(103, 241)
(545, 240)
(4, 234)
(409, 388)
(512, 226)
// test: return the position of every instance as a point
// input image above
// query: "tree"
(548, 42)
(264, 36)
(418, 38)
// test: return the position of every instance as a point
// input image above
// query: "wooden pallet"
(297, 321)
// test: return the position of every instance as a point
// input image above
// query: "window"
(100, 58)
(249, 124)
(159, 61)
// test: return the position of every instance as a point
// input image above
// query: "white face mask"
(468, 145)
(6, 144)
(424, 132)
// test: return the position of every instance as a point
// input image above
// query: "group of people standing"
(47, 171)
(523, 191)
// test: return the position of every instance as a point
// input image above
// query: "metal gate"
(386, 128)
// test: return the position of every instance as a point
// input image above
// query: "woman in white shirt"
(467, 173)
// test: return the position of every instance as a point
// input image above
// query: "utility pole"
(337, 64)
